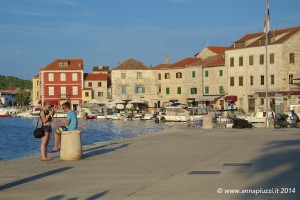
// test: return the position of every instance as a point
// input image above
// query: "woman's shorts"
(48, 129)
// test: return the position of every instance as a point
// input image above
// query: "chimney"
(166, 59)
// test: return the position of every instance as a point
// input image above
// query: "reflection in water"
(17, 138)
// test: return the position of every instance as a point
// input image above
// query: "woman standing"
(46, 116)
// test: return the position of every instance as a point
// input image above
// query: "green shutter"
(206, 73)
(193, 74)
(221, 73)
(206, 89)
(221, 89)
(179, 90)
(143, 89)
(167, 90)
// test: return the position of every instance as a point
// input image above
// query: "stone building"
(97, 84)
(246, 64)
(131, 79)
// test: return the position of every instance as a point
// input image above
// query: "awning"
(207, 98)
(173, 100)
(53, 102)
(190, 99)
(231, 98)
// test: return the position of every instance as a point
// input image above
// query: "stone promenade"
(177, 164)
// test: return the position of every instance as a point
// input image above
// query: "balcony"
(64, 96)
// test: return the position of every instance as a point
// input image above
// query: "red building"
(61, 81)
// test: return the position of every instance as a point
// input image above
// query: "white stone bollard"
(207, 122)
(70, 146)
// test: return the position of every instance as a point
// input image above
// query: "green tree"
(23, 98)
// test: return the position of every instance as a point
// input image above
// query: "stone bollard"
(207, 122)
(70, 146)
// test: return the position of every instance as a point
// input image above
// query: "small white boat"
(259, 116)
(31, 113)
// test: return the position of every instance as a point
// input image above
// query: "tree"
(23, 98)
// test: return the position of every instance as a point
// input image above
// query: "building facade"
(62, 81)
(246, 62)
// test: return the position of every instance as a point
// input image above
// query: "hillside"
(14, 82)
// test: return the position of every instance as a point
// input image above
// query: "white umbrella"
(94, 101)
(104, 102)
(136, 101)
(118, 101)
(120, 106)
(110, 105)
(129, 105)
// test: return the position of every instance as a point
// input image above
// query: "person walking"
(69, 125)
(46, 116)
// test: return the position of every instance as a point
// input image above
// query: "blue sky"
(33, 33)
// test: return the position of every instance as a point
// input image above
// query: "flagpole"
(267, 82)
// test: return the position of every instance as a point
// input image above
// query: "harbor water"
(17, 133)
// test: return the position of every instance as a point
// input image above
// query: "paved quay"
(177, 164)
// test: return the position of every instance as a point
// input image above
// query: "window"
(261, 59)
(75, 90)
(74, 77)
(63, 92)
(62, 77)
(159, 76)
(123, 89)
(51, 77)
(241, 80)
(272, 58)
(272, 79)
(262, 80)
(193, 90)
(231, 81)
(123, 75)
(139, 75)
(178, 75)
(206, 73)
(140, 89)
(90, 84)
(100, 94)
(99, 84)
(51, 91)
(241, 61)
(193, 74)
(292, 58)
(291, 76)
(63, 64)
(159, 89)
(251, 80)
(250, 60)
(86, 94)
(231, 62)
(221, 89)
(167, 90)
(220, 72)
(167, 75)
(37, 83)
(178, 90)
(206, 90)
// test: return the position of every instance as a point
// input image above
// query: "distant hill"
(14, 82)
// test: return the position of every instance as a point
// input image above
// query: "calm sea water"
(17, 139)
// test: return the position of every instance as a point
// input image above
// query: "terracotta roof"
(217, 60)
(184, 63)
(160, 66)
(72, 64)
(280, 35)
(95, 77)
(131, 64)
(218, 49)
